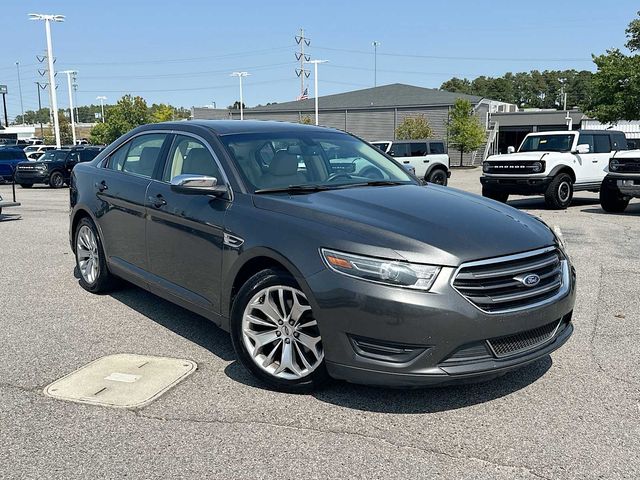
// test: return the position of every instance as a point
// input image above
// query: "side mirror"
(197, 185)
(511, 149)
(583, 148)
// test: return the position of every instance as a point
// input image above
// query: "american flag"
(304, 96)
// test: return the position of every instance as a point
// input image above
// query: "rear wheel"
(494, 194)
(56, 180)
(275, 334)
(26, 185)
(437, 176)
(90, 259)
(559, 192)
(612, 201)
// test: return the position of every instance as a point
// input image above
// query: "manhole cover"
(122, 380)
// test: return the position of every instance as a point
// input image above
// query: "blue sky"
(182, 52)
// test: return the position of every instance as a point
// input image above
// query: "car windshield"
(547, 143)
(310, 160)
(53, 155)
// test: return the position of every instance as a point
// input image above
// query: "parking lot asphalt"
(572, 415)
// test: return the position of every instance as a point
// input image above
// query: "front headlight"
(41, 166)
(389, 272)
(614, 165)
(486, 167)
(537, 167)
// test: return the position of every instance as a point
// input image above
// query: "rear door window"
(601, 144)
(400, 150)
(418, 149)
(140, 156)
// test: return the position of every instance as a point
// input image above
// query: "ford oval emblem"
(530, 280)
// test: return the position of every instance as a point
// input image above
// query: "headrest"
(283, 164)
(199, 161)
(147, 160)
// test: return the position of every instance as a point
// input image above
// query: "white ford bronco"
(553, 164)
(428, 157)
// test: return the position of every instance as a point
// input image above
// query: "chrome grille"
(500, 284)
(523, 341)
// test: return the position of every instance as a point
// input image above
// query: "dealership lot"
(573, 415)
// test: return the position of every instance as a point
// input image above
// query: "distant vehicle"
(553, 164)
(622, 183)
(429, 158)
(34, 152)
(54, 167)
(10, 157)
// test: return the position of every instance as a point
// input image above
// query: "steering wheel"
(333, 176)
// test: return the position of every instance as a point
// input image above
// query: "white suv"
(553, 164)
(428, 157)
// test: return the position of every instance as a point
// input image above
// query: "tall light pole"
(240, 75)
(73, 123)
(375, 44)
(102, 99)
(315, 83)
(20, 90)
(52, 81)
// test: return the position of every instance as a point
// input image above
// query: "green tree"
(127, 114)
(161, 113)
(466, 133)
(236, 105)
(615, 88)
(306, 120)
(413, 128)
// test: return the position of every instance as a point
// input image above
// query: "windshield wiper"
(372, 183)
(294, 189)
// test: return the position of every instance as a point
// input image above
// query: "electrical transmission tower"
(44, 74)
(302, 57)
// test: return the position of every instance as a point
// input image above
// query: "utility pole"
(563, 93)
(75, 97)
(315, 84)
(240, 75)
(73, 123)
(302, 58)
(40, 105)
(52, 84)
(20, 90)
(102, 99)
(3, 91)
(375, 44)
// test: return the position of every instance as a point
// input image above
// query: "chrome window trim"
(564, 287)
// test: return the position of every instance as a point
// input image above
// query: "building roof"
(389, 96)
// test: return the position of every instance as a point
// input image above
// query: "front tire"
(496, 195)
(275, 334)
(437, 176)
(559, 192)
(56, 180)
(90, 258)
(612, 201)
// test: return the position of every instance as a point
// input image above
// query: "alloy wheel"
(280, 333)
(564, 190)
(87, 254)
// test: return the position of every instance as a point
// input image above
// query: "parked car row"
(557, 164)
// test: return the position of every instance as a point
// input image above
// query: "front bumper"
(379, 335)
(517, 185)
(31, 176)
(627, 184)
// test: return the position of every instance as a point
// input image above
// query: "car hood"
(427, 224)
(520, 156)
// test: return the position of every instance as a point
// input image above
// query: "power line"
(209, 87)
(451, 57)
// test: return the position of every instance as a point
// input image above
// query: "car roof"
(228, 127)
(565, 132)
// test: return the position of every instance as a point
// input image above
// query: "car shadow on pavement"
(414, 401)
(537, 203)
(188, 325)
(633, 210)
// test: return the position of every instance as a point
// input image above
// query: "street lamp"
(375, 44)
(240, 75)
(73, 123)
(20, 90)
(52, 81)
(102, 99)
(315, 82)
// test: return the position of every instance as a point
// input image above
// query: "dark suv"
(320, 254)
(54, 167)
(10, 157)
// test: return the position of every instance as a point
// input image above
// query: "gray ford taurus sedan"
(320, 254)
